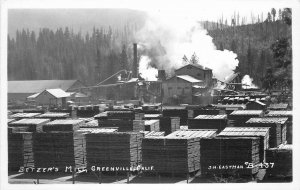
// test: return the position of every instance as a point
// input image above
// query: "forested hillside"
(63, 54)
(255, 44)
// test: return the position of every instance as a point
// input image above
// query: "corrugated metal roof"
(280, 120)
(247, 112)
(244, 131)
(66, 122)
(53, 114)
(279, 113)
(189, 78)
(150, 122)
(36, 86)
(24, 115)
(58, 93)
(30, 121)
(192, 134)
(211, 117)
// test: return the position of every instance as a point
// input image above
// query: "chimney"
(161, 75)
(135, 62)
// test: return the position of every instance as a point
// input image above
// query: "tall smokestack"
(161, 75)
(135, 62)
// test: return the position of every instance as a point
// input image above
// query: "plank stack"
(113, 149)
(123, 120)
(289, 115)
(282, 157)
(28, 125)
(262, 132)
(61, 145)
(179, 152)
(239, 117)
(169, 124)
(88, 111)
(20, 153)
(181, 113)
(150, 134)
(277, 128)
(205, 112)
(152, 125)
(54, 115)
(208, 122)
(152, 116)
(229, 152)
(19, 116)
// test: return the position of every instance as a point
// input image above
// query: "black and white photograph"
(149, 92)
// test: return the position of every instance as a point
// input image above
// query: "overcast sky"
(202, 10)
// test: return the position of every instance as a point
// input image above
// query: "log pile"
(239, 117)
(20, 153)
(208, 122)
(28, 125)
(282, 157)
(229, 151)
(277, 128)
(116, 149)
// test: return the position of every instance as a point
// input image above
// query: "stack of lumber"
(153, 134)
(229, 151)
(19, 116)
(93, 130)
(280, 106)
(28, 125)
(262, 132)
(208, 122)
(239, 117)
(282, 157)
(123, 125)
(277, 128)
(123, 120)
(59, 149)
(115, 149)
(54, 115)
(179, 152)
(87, 111)
(288, 114)
(205, 112)
(91, 124)
(181, 113)
(169, 124)
(63, 125)
(20, 150)
(152, 116)
(152, 125)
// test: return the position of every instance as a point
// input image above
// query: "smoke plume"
(166, 38)
(247, 82)
(146, 71)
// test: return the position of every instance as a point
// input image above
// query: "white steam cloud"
(247, 82)
(166, 38)
(146, 71)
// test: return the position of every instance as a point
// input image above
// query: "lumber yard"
(188, 128)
